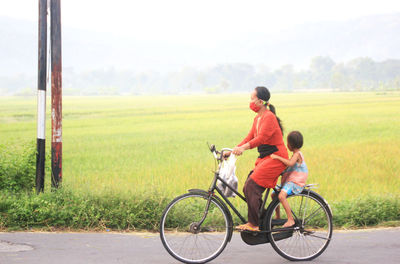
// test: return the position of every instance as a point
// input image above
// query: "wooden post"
(56, 94)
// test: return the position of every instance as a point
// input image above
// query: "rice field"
(135, 144)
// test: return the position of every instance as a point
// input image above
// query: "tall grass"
(17, 167)
(134, 145)
(65, 209)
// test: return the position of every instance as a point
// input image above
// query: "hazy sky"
(198, 22)
(166, 35)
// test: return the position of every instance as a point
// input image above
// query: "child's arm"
(287, 162)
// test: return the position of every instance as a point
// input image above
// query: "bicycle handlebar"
(215, 152)
(228, 149)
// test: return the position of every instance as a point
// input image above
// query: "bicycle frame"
(214, 187)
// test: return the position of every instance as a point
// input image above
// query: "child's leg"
(277, 209)
(282, 197)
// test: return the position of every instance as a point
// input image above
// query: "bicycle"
(196, 227)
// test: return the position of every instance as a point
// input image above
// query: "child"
(295, 176)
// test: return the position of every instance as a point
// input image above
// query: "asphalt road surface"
(376, 246)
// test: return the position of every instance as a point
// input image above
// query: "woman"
(266, 134)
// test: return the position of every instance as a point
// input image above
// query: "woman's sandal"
(247, 227)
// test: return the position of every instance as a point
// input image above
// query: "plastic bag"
(227, 173)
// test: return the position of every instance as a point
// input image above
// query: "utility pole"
(41, 99)
(56, 94)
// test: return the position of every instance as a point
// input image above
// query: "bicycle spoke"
(309, 246)
(313, 243)
(187, 244)
(318, 237)
(312, 215)
(312, 232)
(183, 244)
(301, 204)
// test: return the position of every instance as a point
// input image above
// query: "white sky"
(198, 33)
(194, 21)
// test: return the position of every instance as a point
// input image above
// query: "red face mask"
(254, 107)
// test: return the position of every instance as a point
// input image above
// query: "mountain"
(375, 36)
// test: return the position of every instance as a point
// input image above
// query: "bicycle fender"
(224, 207)
(197, 191)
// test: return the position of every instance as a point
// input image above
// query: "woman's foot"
(289, 223)
(248, 227)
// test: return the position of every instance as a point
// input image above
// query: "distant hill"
(359, 54)
(376, 37)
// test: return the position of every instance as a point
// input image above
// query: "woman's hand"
(238, 150)
(227, 154)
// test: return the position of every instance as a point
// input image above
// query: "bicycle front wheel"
(312, 231)
(188, 239)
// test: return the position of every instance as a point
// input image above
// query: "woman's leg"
(266, 173)
(253, 193)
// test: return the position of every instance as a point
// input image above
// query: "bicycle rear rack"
(311, 186)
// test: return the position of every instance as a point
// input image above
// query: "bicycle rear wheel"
(312, 232)
(181, 234)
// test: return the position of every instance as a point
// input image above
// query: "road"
(366, 246)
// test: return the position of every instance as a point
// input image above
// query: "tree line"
(323, 74)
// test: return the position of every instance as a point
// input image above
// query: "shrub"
(65, 209)
(366, 211)
(17, 167)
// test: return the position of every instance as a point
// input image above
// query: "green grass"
(68, 210)
(131, 145)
